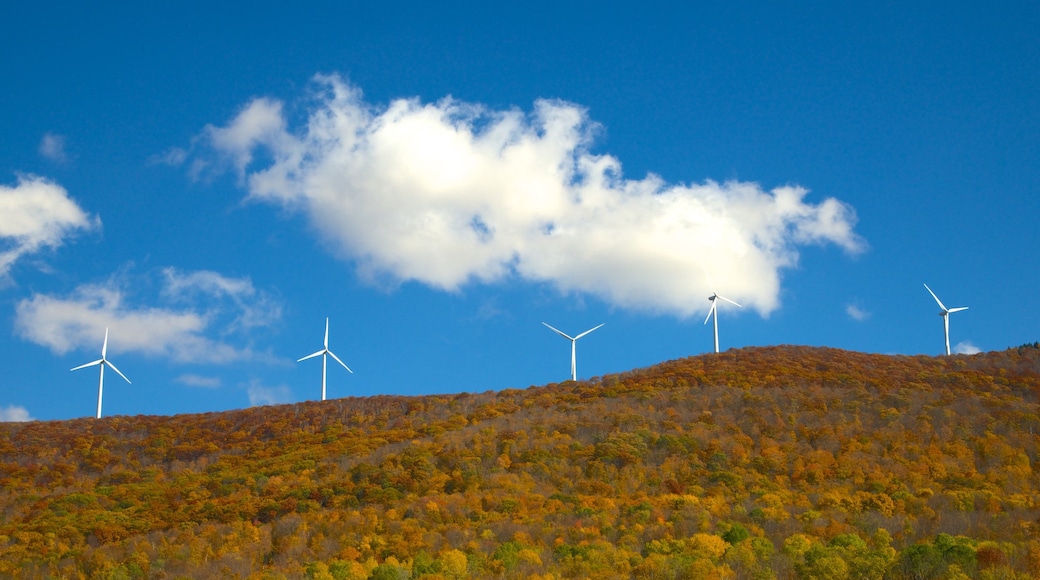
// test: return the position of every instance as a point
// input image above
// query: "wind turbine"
(102, 362)
(324, 359)
(574, 340)
(945, 313)
(713, 312)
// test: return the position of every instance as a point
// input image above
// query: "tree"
(454, 563)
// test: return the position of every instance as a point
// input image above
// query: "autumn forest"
(759, 463)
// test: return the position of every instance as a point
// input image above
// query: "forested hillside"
(781, 462)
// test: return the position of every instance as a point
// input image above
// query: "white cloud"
(199, 381)
(450, 193)
(36, 214)
(260, 122)
(856, 313)
(965, 347)
(261, 395)
(14, 414)
(173, 156)
(253, 308)
(53, 147)
(489, 309)
(191, 307)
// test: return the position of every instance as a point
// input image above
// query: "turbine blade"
(117, 371)
(104, 345)
(944, 309)
(711, 284)
(710, 311)
(728, 300)
(320, 352)
(333, 355)
(561, 333)
(587, 331)
(89, 364)
(958, 309)
(326, 332)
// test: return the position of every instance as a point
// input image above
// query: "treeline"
(781, 462)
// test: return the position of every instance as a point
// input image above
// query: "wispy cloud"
(192, 319)
(450, 193)
(173, 157)
(856, 313)
(252, 308)
(489, 309)
(53, 147)
(199, 381)
(36, 214)
(262, 395)
(14, 414)
(965, 347)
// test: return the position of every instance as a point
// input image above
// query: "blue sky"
(211, 182)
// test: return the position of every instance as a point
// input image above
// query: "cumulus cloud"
(14, 414)
(192, 319)
(965, 347)
(37, 214)
(262, 395)
(53, 147)
(856, 313)
(450, 193)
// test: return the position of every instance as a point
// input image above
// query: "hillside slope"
(780, 462)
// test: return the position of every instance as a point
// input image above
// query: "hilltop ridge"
(756, 462)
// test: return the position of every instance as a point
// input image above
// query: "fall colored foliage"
(780, 462)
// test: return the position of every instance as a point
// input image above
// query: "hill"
(780, 462)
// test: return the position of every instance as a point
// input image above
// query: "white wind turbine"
(574, 341)
(102, 362)
(945, 313)
(713, 312)
(324, 359)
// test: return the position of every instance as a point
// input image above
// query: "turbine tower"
(325, 353)
(713, 312)
(945, 313)
(102, 362)
(574, 341)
